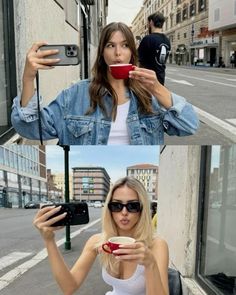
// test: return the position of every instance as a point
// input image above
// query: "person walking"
(154, 48)
(138, 268)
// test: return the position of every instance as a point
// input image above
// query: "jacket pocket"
(152, 129)
(81, 131)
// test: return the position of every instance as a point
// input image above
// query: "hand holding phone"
(67, 53)
(77, 213)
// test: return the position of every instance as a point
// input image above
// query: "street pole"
(67, 197)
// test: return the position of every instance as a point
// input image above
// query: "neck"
(156, 30)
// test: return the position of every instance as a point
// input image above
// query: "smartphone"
(68, 53)
(77, 213)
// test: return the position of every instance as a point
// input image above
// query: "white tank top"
(135, 285)
(119, 131)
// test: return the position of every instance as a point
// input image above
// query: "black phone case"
(77, 213)
(68, 54)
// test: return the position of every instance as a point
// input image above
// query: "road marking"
(12, 258)
(9, 277)
(180, 81)
(232, 121)
(221, 126)
(205, 80)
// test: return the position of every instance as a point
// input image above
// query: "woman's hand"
(137, 252)
(147, 78)
(35, 60)
(44, 225)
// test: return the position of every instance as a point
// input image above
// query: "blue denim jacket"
(65, 119)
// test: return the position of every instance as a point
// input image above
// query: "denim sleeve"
(181, 119)
(25, 119)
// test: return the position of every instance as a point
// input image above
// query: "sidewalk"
(39, 280)
(204, 68)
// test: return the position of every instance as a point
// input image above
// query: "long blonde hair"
(100, 80)
(143, 230)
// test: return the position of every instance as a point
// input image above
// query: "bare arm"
(155, 260)
(68, 280)
(157, 271)
(149, 80)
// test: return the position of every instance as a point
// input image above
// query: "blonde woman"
(142, 269)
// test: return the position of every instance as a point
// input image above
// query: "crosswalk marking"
(12, 258)
(10, 276)
(232, 121)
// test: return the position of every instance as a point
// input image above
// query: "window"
(201, 5)
(216, 15)
(178, 16)
(192, 8)
(7, 68)
(217, 239)
(185, 12)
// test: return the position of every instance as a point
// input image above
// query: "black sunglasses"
(132, 207)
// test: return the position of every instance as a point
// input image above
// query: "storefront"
(206, 50)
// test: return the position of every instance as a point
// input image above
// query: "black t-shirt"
(153, 52)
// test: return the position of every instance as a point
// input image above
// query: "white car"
(97, 204)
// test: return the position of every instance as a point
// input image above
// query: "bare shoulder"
(93, 240)
(159, 243)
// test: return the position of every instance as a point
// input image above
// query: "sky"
(115, 159)
(123, 10)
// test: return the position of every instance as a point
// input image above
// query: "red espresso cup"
(121, 71)
(114, 243)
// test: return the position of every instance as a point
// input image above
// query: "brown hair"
(100, 80)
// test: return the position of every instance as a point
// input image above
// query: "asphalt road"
(18, 235)
(213, 93)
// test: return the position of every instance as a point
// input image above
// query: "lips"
(124, 221)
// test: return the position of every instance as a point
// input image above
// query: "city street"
(24, 273)
(212, 92)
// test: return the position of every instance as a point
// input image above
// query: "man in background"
(154, 48)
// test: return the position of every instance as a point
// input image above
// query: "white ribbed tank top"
(135, 285)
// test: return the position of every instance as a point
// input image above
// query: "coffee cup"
(114, 243)
(121, 71)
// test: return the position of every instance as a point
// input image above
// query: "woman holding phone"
(139, 268)
(103, 110)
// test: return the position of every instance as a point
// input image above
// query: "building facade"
(22, 175)
(187, 26)
(90, 183)
(148, 175)
(222, 17)
(197, 195)
(55, 190)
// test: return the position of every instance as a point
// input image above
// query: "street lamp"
(192, 32)
(67, 197)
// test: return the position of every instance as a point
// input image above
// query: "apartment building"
(187, 26)
(197, 189)
(59, 180)
(148, 175)
(222, 17)
(90, 183)
(22, 175)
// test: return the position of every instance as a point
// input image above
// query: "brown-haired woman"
(104, 110)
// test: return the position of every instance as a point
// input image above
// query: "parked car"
(97, 204)
(32, 205)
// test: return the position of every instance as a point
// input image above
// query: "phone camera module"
(71, 51)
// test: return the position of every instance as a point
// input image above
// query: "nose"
(124, 211)
(117, 51)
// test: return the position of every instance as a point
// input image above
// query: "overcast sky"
(123, 10)
(115, 159)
